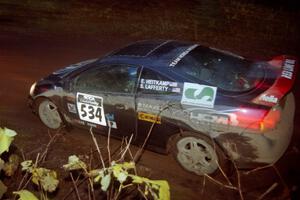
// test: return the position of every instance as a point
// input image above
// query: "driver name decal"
(198, 95)
(159, 85)
(90, 108)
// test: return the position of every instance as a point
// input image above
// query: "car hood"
(61, 73)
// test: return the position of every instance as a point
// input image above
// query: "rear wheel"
(49, 114)
(196, 153)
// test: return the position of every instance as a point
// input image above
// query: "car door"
(158, 97)
(105, 97)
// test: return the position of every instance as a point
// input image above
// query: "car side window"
(152, 82)
(110, 78)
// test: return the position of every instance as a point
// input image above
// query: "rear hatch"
(268, 98)
(231, 74)
(251, 93)
(284, 68)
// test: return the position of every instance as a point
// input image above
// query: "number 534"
(91, 112)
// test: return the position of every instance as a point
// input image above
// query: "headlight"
(32, 88)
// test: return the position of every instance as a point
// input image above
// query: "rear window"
(225, 71)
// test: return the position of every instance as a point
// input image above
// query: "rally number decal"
(90, 108)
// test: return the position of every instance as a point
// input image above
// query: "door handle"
(120, 107)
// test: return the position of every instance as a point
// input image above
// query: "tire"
(197, 153)
(49, 114)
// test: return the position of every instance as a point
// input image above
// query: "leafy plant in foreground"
(120, 173)
(26, 195)
(9, 167)
(113, 178)
(45, 179)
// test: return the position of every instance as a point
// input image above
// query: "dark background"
(250, 27)
(40, 36)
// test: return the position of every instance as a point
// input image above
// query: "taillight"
(255, 119)
(271, 119)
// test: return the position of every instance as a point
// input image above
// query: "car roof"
(158, 55)
(154, 54)
(148, 52)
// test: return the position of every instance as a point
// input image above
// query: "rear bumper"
(248, 149)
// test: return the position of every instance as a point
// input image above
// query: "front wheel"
(196, 154)
(49, 114)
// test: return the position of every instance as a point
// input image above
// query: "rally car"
(200, 100)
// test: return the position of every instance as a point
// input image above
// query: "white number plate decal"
(90, 108)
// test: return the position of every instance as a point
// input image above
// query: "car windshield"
(223, 70)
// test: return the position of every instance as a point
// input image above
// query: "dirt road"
(24, 60)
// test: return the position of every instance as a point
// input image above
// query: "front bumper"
(30, 102)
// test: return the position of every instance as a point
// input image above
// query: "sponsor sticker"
(159, 85)
(149, 117)
(72, 108)
(198, 95)
(79, 121)
(269, 98)
(111, 120)
(176, 60)
(90, 108)
(148, 107)
(288, 68)
(92, 125)
(225, 119)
